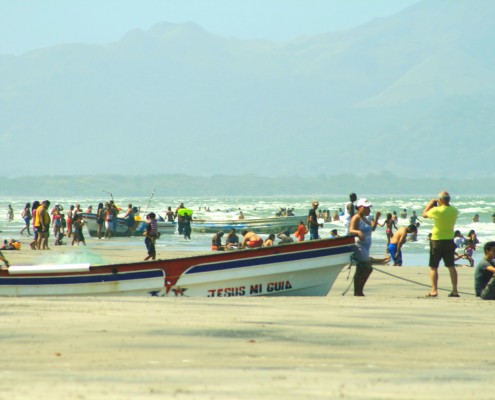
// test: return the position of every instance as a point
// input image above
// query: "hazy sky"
(31, 24)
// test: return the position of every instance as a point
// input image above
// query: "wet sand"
(393, 344)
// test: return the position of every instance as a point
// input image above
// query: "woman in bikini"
(389, 223)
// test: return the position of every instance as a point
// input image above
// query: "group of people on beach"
(442, 246)
(45, 221)
(444, 240)
(41, 218)
(358, 221)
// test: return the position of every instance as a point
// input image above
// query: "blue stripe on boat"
(79, 279)
(275, 258)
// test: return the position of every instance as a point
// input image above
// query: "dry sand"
(393, 344)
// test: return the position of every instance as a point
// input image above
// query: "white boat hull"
(260, 277)
(299, 269)
(129, 284)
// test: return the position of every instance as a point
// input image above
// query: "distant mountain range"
(412, 94)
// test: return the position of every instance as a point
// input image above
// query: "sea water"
(222, 207)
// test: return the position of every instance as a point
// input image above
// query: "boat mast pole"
(111, 195)
(149, 202)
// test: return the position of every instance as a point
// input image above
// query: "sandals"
(432, 296)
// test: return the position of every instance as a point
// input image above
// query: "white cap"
(364, 203)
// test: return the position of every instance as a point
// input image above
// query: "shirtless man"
(251, 239)
(396, 242)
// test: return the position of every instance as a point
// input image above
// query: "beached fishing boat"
(121, 228)
(258, 225)
(299, 269)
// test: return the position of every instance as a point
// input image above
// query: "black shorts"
(442, 250)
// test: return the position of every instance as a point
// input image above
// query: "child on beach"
(472, 236)
(151, 235)
(469, 251)
(77, 227)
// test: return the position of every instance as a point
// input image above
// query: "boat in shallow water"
(258, 225)
(307, 268)
(121, 227)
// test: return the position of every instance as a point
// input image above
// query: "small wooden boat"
(258, 225)
(121, 228)
(299, 269)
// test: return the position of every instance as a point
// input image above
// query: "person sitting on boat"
(285, 237)
(216, 241)
(251, 239)
(232, 240)
(269, 241)
(334, 234)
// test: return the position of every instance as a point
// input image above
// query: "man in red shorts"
(251, 239)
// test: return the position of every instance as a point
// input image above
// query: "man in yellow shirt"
(442, 245)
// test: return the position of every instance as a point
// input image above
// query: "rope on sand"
(398, 277)
(348, 275)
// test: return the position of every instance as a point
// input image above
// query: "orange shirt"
(301, 231)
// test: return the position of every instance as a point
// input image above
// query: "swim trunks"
(442, 249)
(255, 243)
(392, 248)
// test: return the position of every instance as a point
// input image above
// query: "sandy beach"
(393, 344)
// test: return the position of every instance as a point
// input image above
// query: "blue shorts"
(392, 249)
